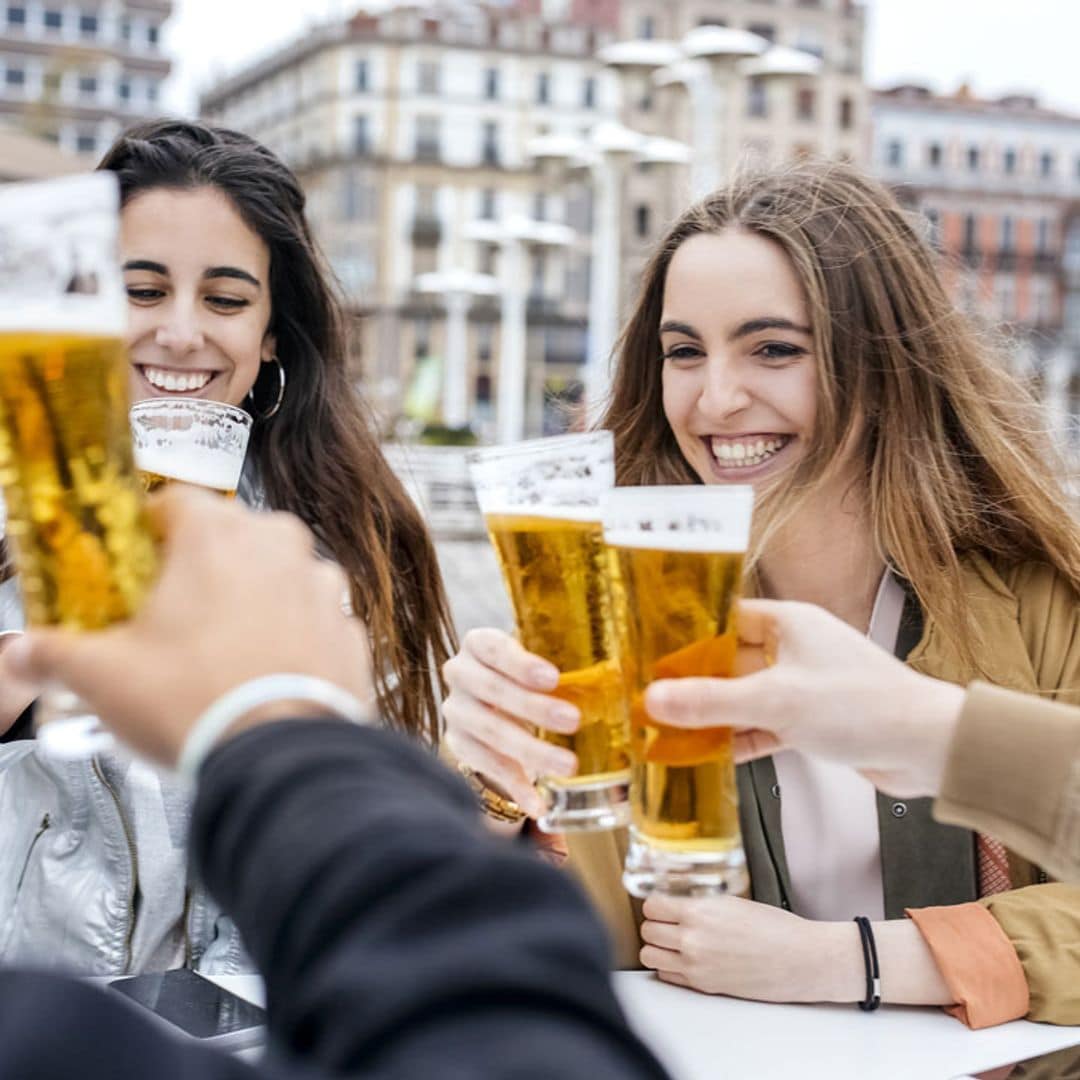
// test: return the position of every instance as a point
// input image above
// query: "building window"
(973, 159)
(491, 84)
(847, 114)
(711, 20)
(1005, 299)
(85, 143)
(1046, 164)
(1008, 161)
(540, 206)
(361, 135)
(487, 205)
(933, 231)
(647, 28)
(757, 97)
(486, 257)
(152, 92)
(14, 76)
(16, 16)
(765, 30)
(933, 155)
(123, 89)
(362, 74)
(427, 138)
(1008, 234)
(588, 93)
(125, 29)
(642, 222)
(88, 25)
(805, 101)
(539, 273)
(53, 19)
(489, 150)
(421, 337)
(1042, 236)
(88, 86)
(970, 243)
(153, 35)
(543, 88)
(894, 154)
(428, 76)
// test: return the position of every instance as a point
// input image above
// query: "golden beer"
(557, 575)
(81, 538)
(679, 606)
(541, 501)
(152, 481)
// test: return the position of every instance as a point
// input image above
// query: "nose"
(724, 392)
(179, 331)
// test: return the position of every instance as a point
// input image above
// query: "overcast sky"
(996, 45)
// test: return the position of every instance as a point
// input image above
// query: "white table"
(699, 1037)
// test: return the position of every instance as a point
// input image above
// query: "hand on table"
(498, 691)
(728, 945)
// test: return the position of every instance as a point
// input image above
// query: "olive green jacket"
(1029, 619)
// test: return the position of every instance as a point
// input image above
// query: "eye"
(684, 353)
(227, 303)
(144, 293)
(779, 351)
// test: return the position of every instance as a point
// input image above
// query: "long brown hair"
(956, 459)
(318, 456)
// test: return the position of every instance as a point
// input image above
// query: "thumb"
(76, 660)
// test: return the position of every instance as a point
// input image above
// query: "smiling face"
(198, 286)
(739, 374)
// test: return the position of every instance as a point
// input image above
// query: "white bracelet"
(234, 703)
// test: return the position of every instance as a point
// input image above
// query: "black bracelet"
(873, 972)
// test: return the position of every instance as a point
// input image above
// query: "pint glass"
(190, 441)
(76, 521)
(541, 503)
(680, 564)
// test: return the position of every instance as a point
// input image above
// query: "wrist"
(841, 970)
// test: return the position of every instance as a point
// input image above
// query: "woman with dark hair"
(229, 300)
(792, 332)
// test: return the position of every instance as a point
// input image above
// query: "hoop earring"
(273, 410)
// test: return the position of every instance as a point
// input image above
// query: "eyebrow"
(751, 326)
(233, 272)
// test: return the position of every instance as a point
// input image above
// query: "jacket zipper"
(186, 922)
(130, 930)
(42, 828)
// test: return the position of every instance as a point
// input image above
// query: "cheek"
(676, 399)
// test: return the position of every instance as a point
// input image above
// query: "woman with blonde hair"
(792, 332)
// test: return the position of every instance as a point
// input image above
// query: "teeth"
(167, 380)
(745, 455)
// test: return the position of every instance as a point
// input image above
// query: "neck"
(826, 555)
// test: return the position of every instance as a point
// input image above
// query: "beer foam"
(191, 464)
(686, 518)
(507, 508)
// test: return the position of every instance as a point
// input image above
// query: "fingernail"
(565, 714)
(544, 676)
(657, 698)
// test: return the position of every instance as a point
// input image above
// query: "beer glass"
(680, 555)
(541, 503)
(191, 441)
(76, 520)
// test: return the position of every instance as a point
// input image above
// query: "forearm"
(909, 975)
(358, 873)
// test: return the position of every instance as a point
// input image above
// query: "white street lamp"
(515, 236)
(606, 153)
(457, 287)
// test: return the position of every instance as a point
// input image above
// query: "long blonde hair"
(957, 461)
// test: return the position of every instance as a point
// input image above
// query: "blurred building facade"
(78, 75)
(409, 124)
(998, 182)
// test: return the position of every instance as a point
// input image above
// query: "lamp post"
(457, 287)
(605, 154)
(515, 236)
